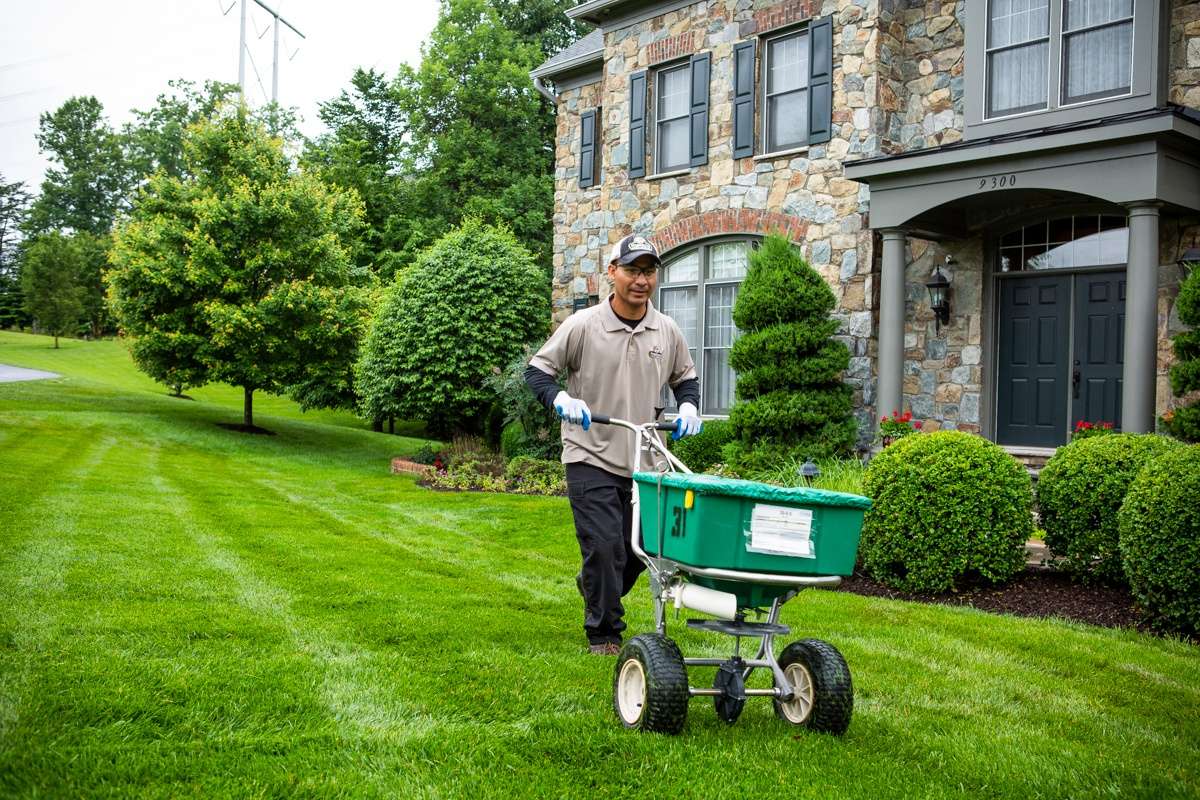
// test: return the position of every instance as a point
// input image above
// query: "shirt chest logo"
(656, 352)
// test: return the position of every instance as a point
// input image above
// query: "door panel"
(1099, 347)
(1033, 360)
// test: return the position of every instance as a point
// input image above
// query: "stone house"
(1041, 155)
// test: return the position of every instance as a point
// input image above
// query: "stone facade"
(897, 86)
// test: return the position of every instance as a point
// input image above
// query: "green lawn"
(193, 611)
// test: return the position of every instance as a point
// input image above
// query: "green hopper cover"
(712, 484)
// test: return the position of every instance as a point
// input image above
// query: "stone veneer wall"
(923, 99)
(806, 185)
(898, 86)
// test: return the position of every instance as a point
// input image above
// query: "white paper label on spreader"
(780, 530)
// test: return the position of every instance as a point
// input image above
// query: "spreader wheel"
(650, 686)
(822, 694)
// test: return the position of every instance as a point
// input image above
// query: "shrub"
(791, 398)
(1160, 540)
(701, 451)
(1080, 491)
(469, 304)
(948, 506)
(530, 429)
(526, 475)
(1184, 421)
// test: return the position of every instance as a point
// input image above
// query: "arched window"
(697, 289)
(1082, 240)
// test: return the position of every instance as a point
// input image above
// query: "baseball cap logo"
(631, 247)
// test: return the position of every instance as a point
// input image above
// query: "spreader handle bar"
(604, 419)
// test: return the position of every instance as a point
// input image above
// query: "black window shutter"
(820, 80)
(637, 124)
(699, 114)
(743, 99)
(587, 149)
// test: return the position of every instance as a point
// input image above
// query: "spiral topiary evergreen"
(1184, 422)
(791, 398)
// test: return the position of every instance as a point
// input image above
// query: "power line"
(256, 75)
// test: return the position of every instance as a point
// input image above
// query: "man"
(617, 355)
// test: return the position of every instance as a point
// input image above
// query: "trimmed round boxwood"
(1080, 491)
(1159, 527)
(947, 507)
(703, 450)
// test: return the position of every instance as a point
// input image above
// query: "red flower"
(917, 424)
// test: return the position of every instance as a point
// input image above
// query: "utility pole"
(242, 55)
(276, 19)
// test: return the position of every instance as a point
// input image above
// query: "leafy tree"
(51, 284)
(242, 271)
(14, 202)
(154, 139)
(1184, 421)
(362, 150)
(468, 306)
(89, 179)
(543, 23)
(479, 134)
(792, 401)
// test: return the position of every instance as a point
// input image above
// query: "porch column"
(1141, 320)
(891, 323)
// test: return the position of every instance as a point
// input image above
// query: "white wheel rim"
(631, 691)
(800, 706)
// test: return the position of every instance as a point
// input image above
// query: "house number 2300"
(998, 182)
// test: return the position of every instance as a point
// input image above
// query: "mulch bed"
(1034, 593)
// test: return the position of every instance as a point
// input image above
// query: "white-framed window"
(1018, 56)
(785, 92)
(1097, 49)
(672, 103)
(1085, 47)
(697, 289)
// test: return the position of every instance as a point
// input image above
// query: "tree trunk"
(56, 341)
(248, 408)
(392, 425)
(178, 389)
(377, 425)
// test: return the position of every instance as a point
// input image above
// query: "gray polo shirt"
(617, 371)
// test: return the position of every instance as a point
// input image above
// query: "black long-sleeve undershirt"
(545, 388)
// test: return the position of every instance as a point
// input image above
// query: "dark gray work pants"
(603, 523)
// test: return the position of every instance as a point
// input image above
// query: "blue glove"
(573, 411)
(687, 422)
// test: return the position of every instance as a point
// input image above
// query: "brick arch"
(751, 221)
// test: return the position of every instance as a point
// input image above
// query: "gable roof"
(583, 52)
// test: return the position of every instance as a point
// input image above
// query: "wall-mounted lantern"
(939, 296)
(1189, 259)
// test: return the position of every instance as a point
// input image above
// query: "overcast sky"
(125, 51)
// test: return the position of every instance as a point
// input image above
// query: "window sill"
(672, 174)
(782, 153)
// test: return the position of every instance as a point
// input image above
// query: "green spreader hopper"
(723, 523)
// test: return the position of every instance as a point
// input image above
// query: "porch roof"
(949, 191)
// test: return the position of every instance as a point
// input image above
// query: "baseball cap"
(633, 247)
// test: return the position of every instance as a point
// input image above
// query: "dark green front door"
(1059, 354)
